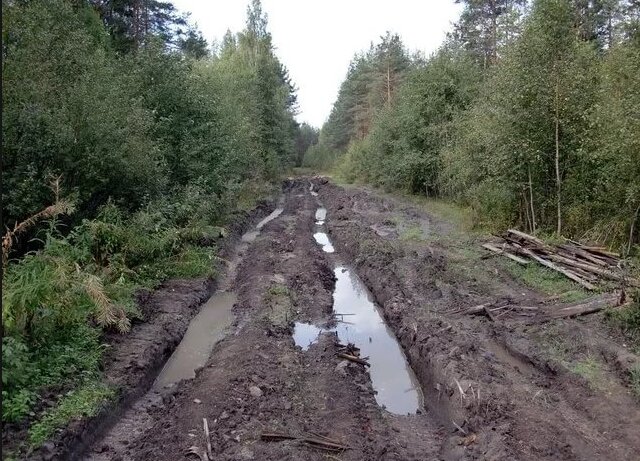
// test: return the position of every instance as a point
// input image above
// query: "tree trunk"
(557, 140)
(633, 226)
(494, 33)
(533, 213)
(388, 84)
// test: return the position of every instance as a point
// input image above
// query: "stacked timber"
(584, 264)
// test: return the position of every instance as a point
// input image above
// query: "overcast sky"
(316, 39)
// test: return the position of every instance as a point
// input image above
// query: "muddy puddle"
(250, 236)
(207, 327)
(205, 330)
(323, 240)
(321, 215)
(359, 322)
(305, 334)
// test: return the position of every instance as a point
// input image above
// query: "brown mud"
(492, 389)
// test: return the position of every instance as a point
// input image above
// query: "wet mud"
(441, 385)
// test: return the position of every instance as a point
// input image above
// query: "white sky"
(316, 40)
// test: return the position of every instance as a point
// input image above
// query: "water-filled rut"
(360, 322)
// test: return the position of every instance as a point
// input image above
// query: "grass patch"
(591, 370)
(545, 280)
(412, 233)
(279, 300)
(627, 320)
(635, 381)
(251, 192)
(83, 401)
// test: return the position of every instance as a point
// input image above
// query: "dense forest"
(127, 144)
(529, 113)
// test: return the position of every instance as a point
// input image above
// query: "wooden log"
(593, 269)
(567, 273)
(495, 249)
(584, 254)
(584, 308)
(527, 237)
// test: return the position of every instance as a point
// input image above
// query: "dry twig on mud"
(353, 358)
(315, 441)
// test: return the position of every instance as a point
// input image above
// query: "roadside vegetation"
(127, 149)
(527, 116)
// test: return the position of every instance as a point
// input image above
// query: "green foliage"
(157, 140)
(529, 119)
(628, 321)
(84, 401)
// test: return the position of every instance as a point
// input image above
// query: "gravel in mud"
(489, 391)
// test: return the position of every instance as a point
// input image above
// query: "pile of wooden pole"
(586, 265)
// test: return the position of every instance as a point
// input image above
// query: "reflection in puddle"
(205, 330)
(314, 193)
(321, 215)
(397, 387)
(274, 214)
(305, 334)
(250, 236)
(323, 239)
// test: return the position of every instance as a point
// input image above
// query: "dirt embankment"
(492, 379)
(132, 361)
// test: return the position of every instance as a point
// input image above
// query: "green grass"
(591, 370)
(86, 400)
(545, 280)
(412, 233)
(635, 381)
(627, 320)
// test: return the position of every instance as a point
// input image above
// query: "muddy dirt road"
(335, 266)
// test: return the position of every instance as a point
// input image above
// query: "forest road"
(482, 389)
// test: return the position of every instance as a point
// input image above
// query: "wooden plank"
(495, 249)
(573, 250)
(593, 269)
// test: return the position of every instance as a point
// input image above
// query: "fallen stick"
(324, 444)
(327, 439)
(276, 436)
(353, 358)
(489, 314)
(207, 437)
(497, 250)
(458, 427)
